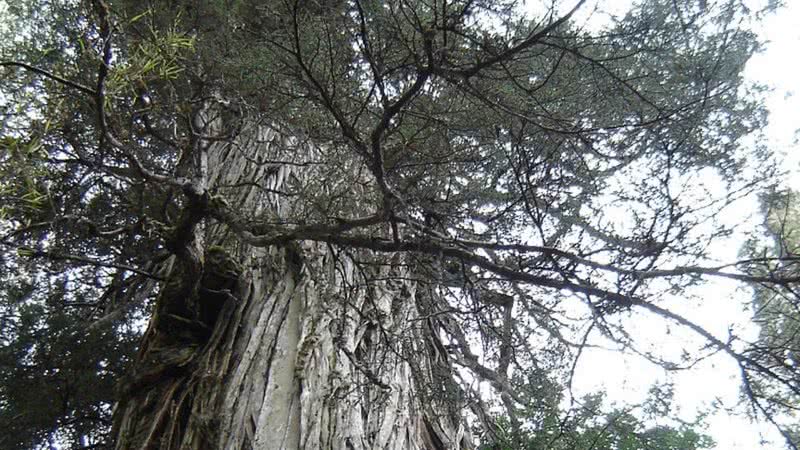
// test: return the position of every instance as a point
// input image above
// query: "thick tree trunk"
(305, 354)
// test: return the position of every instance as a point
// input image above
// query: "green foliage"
(57, 375)
(22, 194)
(593, 426)
(157, 57)
(59, 366)
(776, 309)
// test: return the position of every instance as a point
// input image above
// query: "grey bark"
(304, 354)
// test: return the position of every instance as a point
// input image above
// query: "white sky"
(779, 66)
(716, 381)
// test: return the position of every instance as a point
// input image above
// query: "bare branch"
(34, 253)
(52, 76)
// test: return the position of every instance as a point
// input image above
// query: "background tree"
(348, 221)
(776, 311)
(591, 424)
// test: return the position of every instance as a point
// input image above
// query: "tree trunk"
(309, 350)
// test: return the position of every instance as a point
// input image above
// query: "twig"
(50, 75)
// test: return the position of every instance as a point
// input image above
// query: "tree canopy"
(539, 176)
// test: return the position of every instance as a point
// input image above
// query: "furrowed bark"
(302, 354)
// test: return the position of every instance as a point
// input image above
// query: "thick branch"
(429, 247)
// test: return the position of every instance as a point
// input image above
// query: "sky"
(779, 66)
(715, 382)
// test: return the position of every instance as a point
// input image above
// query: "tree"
(776, 313)
(347, 221)
(593, 426)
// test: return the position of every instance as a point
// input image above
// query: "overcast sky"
(716, 382)
(779, 66)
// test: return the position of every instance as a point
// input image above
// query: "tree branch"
(33, 253)
(50, 75)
